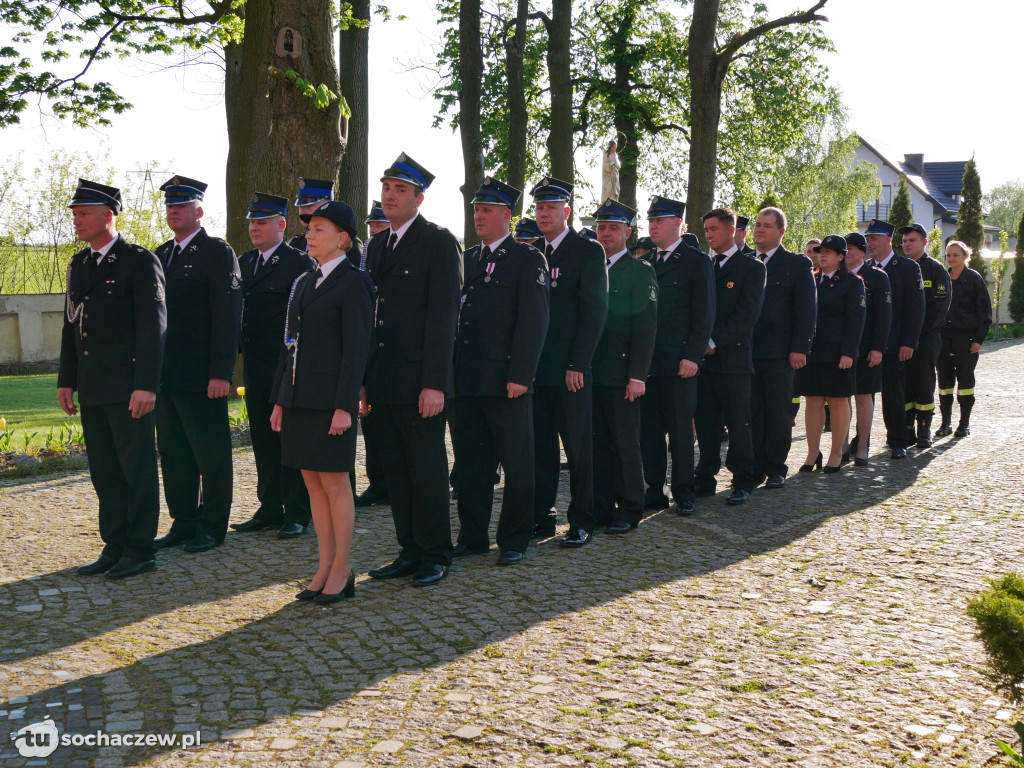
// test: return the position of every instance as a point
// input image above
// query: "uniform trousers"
(921, 375)
(668, 408)
(894, 401)
(724, 397)
(771, 420)
(487, 430)
(122, 467)
(956, 364)
(618, 466)
(559, 412)
(415, 466)
(277, 487)
(194, 438)
(375, 472)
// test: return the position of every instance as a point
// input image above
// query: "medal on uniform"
(489, 269)
(554, 277)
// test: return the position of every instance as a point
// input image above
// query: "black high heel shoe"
(810, 467)
(859, 462)
(308, 594)
(349, 591)
(829, 470)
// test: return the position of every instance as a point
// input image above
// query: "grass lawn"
(29, 404)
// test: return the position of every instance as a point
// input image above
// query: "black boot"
(924, 429)
(946, 409)
(966, 403)
(911, 422)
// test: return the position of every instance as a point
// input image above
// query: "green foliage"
(1017, 279)
(999, 614)
(969, 226)
(771, 200)
(819, 186)
(320, 95)
(935, 249)
(1004, 205)
(999, 265)
(901, 213)
(49, 34)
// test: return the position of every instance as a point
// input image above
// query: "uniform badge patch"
(542, 277)
(863, 301)
(888, 298)
(159, 292)
(927, 283)
(235, 284)
(654, 293)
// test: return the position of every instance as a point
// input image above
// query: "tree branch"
(728, 53)
(217, 12)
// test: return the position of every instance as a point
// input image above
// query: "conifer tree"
(1017, 279)
(969, 226)
(901, 213)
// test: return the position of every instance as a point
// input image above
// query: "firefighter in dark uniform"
(907, 318)
(723, 390)
(527, 232)
(965, 330)
(312, 194)
(502, 326)
(111, 350)
(921, 368)
(740, 238)
(268, 271)
(416, 267)
(563, 396)
(204, 314)
(621, 363)
(644, 246)
(782, 341)
(686, 313)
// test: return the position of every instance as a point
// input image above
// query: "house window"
(879, 209)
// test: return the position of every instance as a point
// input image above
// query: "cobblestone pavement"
(819, 625)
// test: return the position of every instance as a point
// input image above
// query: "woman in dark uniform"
(878, 295)
(831, 371)
(327, 340)
(967, 323)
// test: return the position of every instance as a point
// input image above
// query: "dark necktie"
(392, 242)
(317, 277)
(90, 264)
(548, 251)
(310, 289)
(719, 258)
(260, 263)
(762, 256)
(662, 255)
(175, 251)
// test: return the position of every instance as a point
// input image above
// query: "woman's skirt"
(305, 443)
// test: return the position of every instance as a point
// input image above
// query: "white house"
(935, 191)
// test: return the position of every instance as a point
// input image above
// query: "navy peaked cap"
(407, 169)
(91, 193)
(264, 206)
(494, 192)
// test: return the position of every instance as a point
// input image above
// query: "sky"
(918, 76)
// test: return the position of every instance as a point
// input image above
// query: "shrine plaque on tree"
(289, 43)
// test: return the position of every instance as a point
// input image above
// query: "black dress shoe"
(899, 453)
(201, 542)
(349, 590)
(509, 557)
(171, 539)
(103, 564)
(655, 501)
(962, 431)
(396, 569)
(543, 530)
(739, 496)
(255, 524)
(620, 526)
(461, 550)
(775, 481)
(684, 508)
(308, 594)
(290, 531)
(575, 538)
(429, 574)
(371, 496)
(128, 566)
(944, 430)
(816, 463)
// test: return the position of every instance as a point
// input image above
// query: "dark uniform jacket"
(418, 288)
(786, 322)
(937, 294)
(264, 302)
(841, 311)
(579, 305)
(686, 308)
(503, 320)
(627, 344)
(878, 297)
(332, 325)
(116, 345)
(907, 303)
(739, 292)
(970, 309)
(204, 313)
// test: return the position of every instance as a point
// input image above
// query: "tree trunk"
(705, 114)
(275, 133)
(353, 47)
(560, 75)
(625, 118)
(471, 70)
(517, 119)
